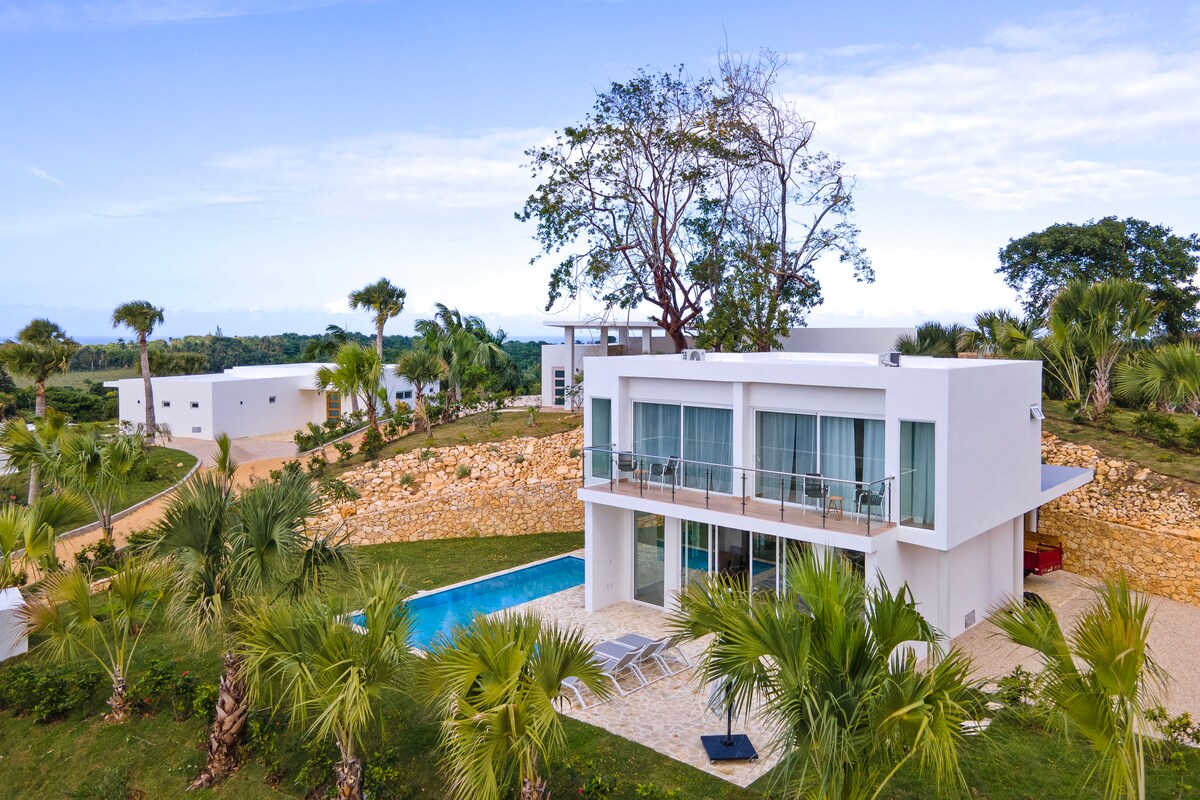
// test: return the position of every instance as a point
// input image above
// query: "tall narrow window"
(916, 474)
(649, 576)
(602, 437)
(656, 430)
(708, 440)
(851, 451)
(785, 448)
(560, 387)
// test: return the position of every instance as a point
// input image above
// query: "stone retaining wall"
(507, 488)
(1128, 518)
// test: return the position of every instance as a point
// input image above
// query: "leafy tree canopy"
(1039, 264)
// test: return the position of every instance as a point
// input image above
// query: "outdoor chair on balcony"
(816, 492)
(865, 499)
(626, 463)
(666, 471)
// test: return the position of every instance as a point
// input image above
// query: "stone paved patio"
(670, 714)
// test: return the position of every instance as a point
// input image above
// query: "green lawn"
(1116, 440)
(78, 379)
(472, 429)
(166, 464)
(158, 754)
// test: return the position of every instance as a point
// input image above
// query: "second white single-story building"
(242, 401)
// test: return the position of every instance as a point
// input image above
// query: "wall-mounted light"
(1035, 412)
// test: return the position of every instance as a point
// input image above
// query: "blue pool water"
(440, 612)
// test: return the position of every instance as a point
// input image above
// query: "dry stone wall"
(1130, 518)
(508, 488)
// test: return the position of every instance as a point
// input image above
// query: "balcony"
(814, 501)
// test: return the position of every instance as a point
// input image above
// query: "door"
(649, 558)
(333, 406)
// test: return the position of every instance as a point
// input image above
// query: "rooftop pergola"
(623, 330)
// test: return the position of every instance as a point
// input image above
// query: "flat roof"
(834, 359)
(1059, 480)
(592, 323)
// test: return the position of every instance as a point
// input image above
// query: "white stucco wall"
(13, 639)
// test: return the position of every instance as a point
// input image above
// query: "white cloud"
(1056, 111)
(46, 176)
(385, 173)
(47, 14)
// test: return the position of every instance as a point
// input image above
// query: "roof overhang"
(1058, 480)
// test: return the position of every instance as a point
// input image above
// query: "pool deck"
(670, 714)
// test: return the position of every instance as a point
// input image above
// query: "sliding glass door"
(786, 446)
(649, 561)
(601, 437)
(694, 552)
(664, 432)
(916, 474)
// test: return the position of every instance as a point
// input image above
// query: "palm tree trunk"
(349, 774)
(118, 701)
(34, 485)
(228, 724)
(39, 398)
(151, 424)
(533, 786)
(379, 339)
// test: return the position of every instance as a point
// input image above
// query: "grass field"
(474, 429)
(79, 379)
(167, 464)
(1116, 440)
(81, 755)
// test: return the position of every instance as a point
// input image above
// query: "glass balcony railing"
(798, 498)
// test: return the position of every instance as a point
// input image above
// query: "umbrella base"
(721, 747)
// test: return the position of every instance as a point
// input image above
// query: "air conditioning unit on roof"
(693, 354)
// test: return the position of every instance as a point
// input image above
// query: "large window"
(916, 474)
(560, 387)
(705, 435)
(601, 437)
(788, 446)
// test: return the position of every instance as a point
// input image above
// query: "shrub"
(574, 452)
(204, 701)
(407, 480)
(1157, 427)
(1191, 436)
(345, 450)
(149, 689)
(335, 490)
(48, 694)
(1018, 688)
(426, 454)
(1178, 730)
(141, 541)
(463, 471)
(599, 787)
(183, 695)
(95, 558)
(649, 790)
(372, 443)
(263, 733)
(317, 463)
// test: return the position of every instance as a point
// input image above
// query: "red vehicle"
(1041, 558)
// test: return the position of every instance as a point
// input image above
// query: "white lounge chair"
(616, 660)
(668, 645)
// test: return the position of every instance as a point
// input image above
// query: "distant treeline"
(213, 353)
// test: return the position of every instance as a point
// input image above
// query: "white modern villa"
(242, 401)
(920, 470)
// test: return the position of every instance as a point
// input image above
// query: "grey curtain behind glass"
(708, 437)
(838, 453)
(601, 437)
(872, 451)
(786, 443)
(916, 474)
(656, 430)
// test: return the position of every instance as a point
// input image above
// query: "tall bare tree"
(630, 183)
(141, 316)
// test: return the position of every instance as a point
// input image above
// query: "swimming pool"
(439, 612)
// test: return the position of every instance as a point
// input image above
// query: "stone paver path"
(1174, 638)
(670, 714)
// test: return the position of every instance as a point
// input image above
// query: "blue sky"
(246, 163)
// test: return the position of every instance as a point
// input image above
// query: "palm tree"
(328, 678)
(831, 661)
(932, 339)
(106, 626)
(385, 299)
(1101, 678)
(356, 373)
(463, 342)
(1167, 376)
(997, 333)
(33, 531)
(228, 548)
(42, 349)
(30, 450)
(421, 368)
(1096, 322)
(494, 683)
(99, 468)
(325, 346)
(141, 317)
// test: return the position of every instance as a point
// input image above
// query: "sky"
(246, 163)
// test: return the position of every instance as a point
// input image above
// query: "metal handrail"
(862, 492)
